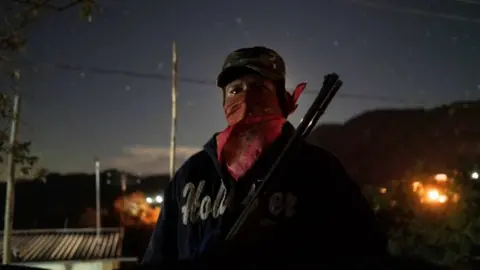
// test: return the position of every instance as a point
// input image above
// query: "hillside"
(381, 145)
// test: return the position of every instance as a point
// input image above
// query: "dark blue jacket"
(315, 213)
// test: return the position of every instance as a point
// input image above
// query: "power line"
(414, 11)
(471, 2)
(162, 77)
(356, 96)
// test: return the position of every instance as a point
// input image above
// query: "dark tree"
(435, 218)
(16, 16)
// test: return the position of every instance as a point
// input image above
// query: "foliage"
(17, 15)
(134, 211)
(420, 225)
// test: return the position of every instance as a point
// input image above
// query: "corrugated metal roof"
(65, 245)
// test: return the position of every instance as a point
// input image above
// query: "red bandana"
(253, 126)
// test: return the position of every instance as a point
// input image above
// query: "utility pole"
(123, 180)
(97, 196)
(174, 110)
(10, 193)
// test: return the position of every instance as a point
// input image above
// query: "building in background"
(69, 249)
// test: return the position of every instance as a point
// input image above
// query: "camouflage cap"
(261, 60)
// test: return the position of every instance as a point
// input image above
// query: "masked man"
(315, 214)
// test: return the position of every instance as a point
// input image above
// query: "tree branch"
(45, 4)
(35, 6)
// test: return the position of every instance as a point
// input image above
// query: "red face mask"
(250, 105)
(255, 122)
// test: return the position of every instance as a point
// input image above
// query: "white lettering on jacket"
(280, 202)
(197, 208)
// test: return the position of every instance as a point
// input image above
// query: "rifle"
(331, 85)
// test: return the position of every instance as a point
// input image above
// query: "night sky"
(398, 54)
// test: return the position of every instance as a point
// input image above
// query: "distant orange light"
(416, 185)
(441, 177)
(433, 194)
(383, 190)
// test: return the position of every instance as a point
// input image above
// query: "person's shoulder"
(324, 164)
(198, 167)
(315, 153)
(199, 156)
(195, 161)
(319, 162)
(188, 171)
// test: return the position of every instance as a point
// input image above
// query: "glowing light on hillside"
(442, 199)
(416, 186)
(441, 177)
(433, 195)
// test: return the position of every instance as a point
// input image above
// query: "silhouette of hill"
(383, 145)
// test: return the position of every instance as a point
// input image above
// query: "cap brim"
(232, 73)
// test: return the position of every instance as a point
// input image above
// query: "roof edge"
(67, 230)
(119, 259)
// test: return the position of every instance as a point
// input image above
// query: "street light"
(154, 200)
(475, 175)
